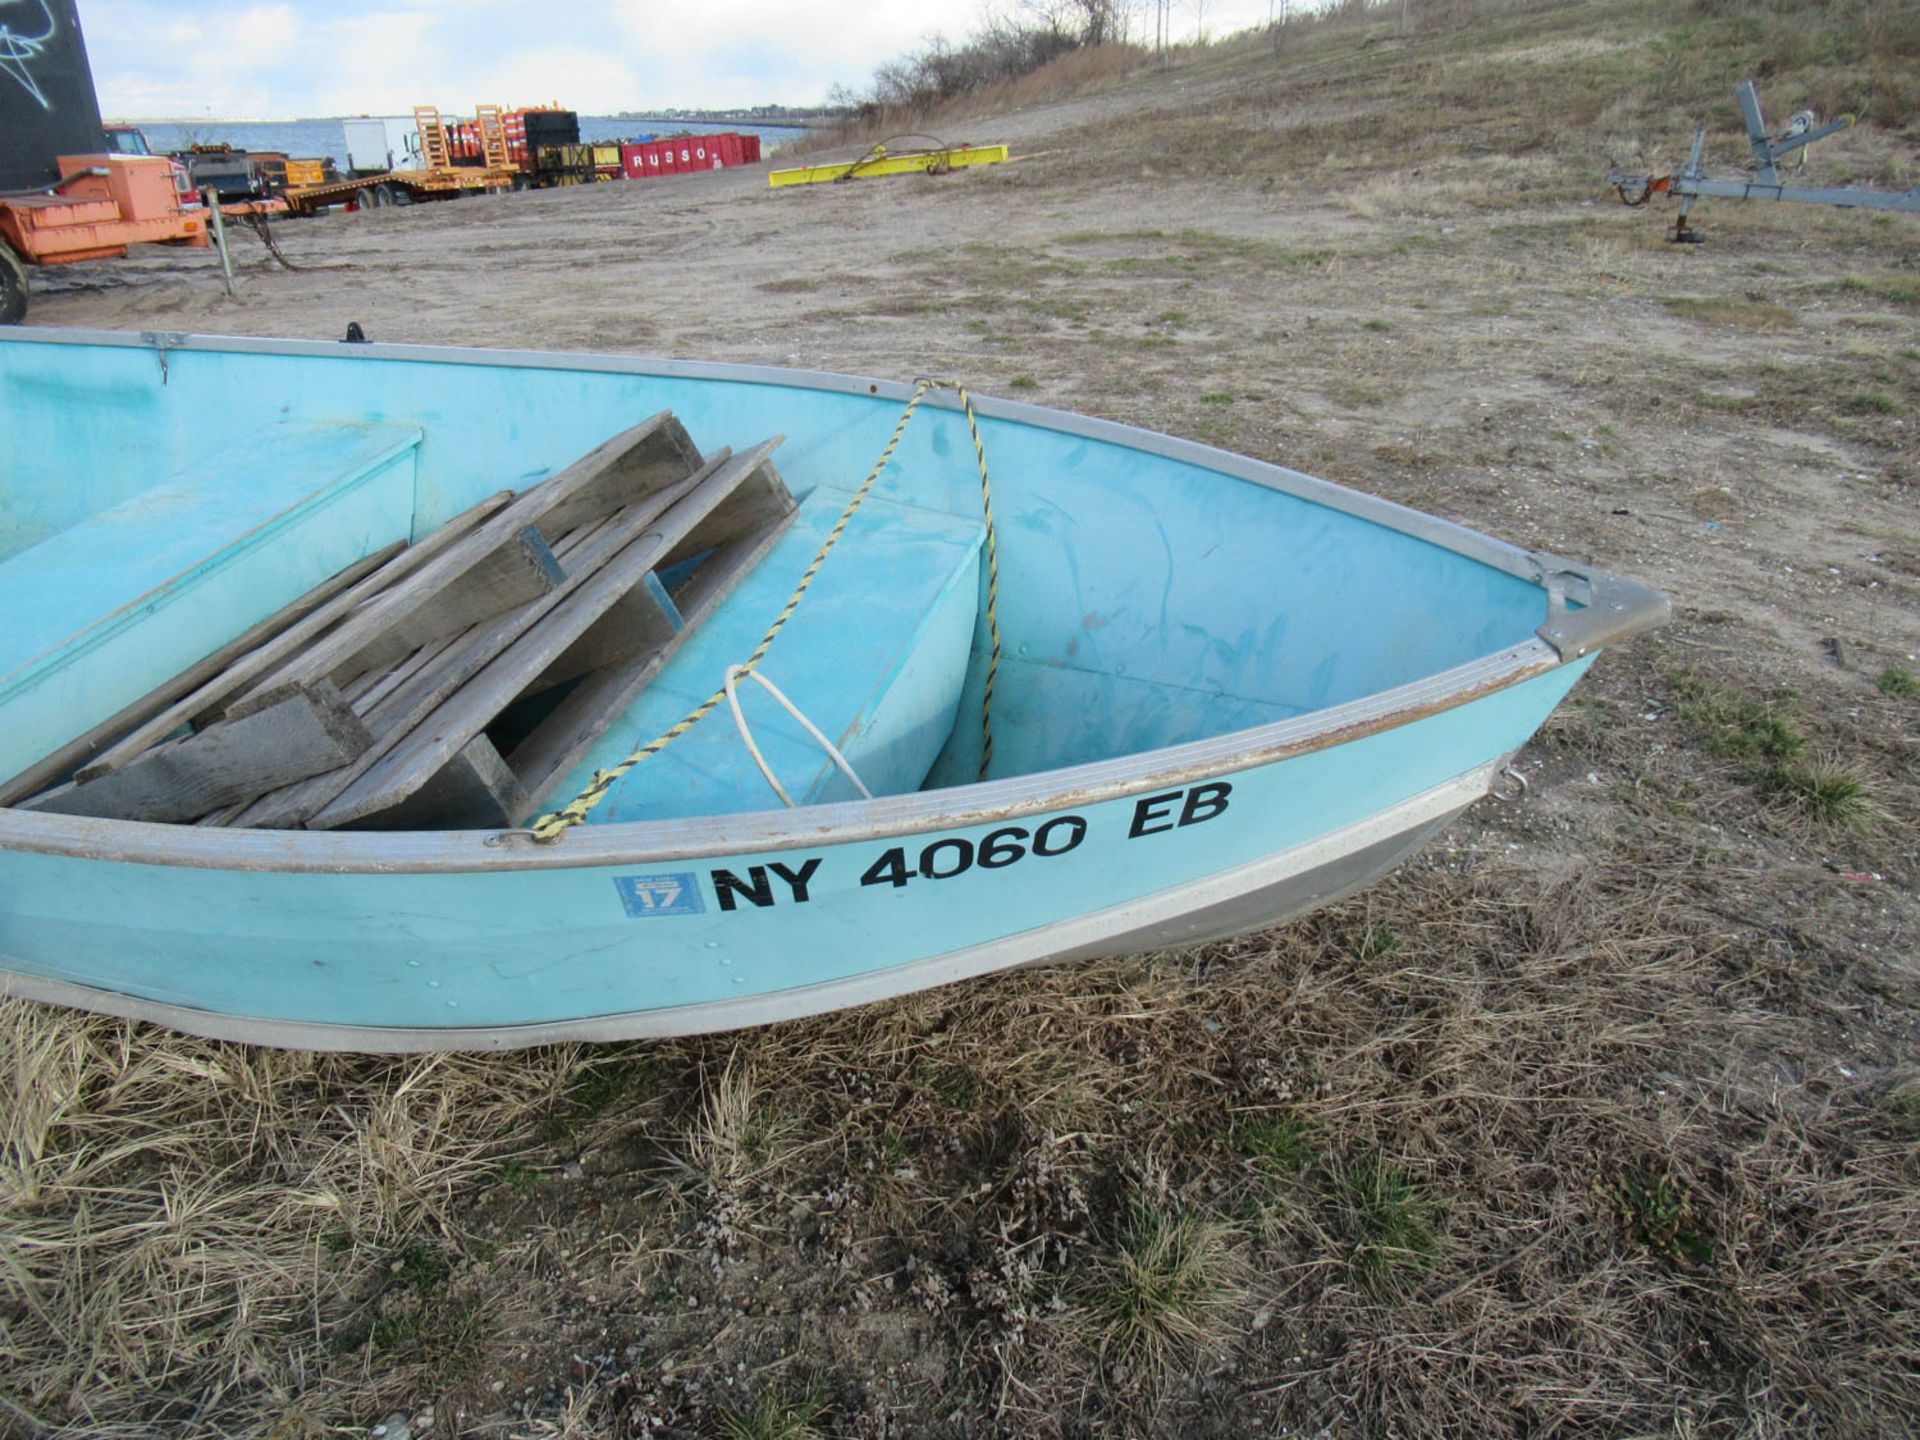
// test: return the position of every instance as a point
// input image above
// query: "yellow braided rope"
(552, 826)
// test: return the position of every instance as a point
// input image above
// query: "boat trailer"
(1768, 149)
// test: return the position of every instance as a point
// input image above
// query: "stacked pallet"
(451, 683)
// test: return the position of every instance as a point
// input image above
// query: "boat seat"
(100, 613)
(875, 656)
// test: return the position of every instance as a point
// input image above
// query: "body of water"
(306, 139)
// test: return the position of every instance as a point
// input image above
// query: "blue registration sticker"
(646, 896)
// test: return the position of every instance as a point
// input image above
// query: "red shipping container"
(752, 143)
(633, 161)
(733, 148)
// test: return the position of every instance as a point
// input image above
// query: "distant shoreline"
(792, 123)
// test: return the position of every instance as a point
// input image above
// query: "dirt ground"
(1598, 1119)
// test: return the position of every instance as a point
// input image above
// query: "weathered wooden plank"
(641, 620)
(761, 499)
(522, 569)
(411, 703)
(63, 762)
(475, 790)
(578, 722)
(726, 568)
(407, 767)
(208, 697)
(378, 687)
(632, 466)
(487, 576)
(306, 730)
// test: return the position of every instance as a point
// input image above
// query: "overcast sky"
(233, 60)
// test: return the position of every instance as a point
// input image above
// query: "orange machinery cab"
(106, 203)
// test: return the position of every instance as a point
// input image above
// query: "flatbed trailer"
(401, 187)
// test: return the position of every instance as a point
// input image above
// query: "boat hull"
(663, 942)
(1356, 673)
(1249, 898)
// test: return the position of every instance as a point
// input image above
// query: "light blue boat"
(1227, 693)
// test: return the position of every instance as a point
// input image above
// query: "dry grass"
(190, 1226)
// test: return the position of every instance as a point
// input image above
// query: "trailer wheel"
(13, 287)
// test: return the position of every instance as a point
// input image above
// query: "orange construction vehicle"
(64, 193)
(103, 204)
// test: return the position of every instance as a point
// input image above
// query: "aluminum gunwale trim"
(1445, 533)
(657, 841)
(1429, 808)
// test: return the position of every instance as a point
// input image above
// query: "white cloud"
(317, 57)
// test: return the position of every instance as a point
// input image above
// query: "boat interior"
(218, 556)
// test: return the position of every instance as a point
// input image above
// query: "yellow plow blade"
(907, 162)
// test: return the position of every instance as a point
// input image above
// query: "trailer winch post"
(1691, 183)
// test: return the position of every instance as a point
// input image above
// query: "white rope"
(734, 672)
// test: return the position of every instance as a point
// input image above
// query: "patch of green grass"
(419, 1265)
(1824, 790)
(1058, 309)
(1751, 315)
(1212, 245)
(1216, 397)
(1657, 1212)
(1166, 1289)
(1391, 1220)
(1023, 382)
(1358, 392)
(1739, 726)
(519, 1176)
(1892, 290)
(1376, 941)
(1903, 1105)
(1378, 325)
(1898, 683)
(777, 1414)
(953, 1084)
(596, 1087)
(1274, 1142)
(1191, 252)
(1871, 402)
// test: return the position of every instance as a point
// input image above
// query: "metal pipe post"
(219, 223)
